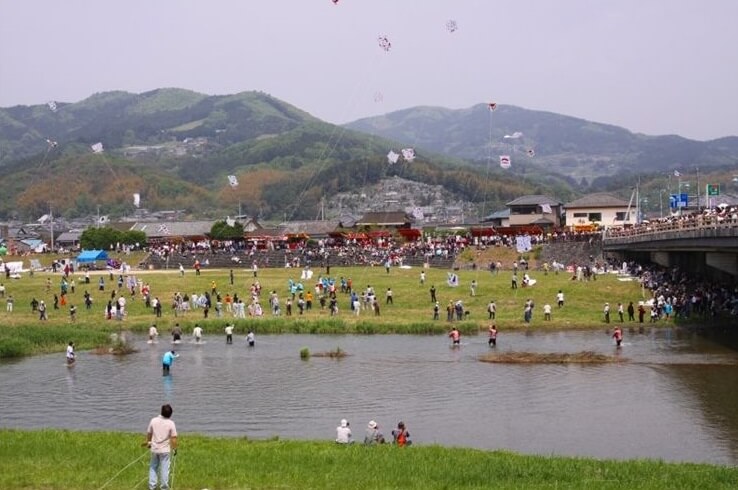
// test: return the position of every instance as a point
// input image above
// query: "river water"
(675, 398)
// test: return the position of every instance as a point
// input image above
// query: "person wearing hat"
(373, 436)
(343, 433)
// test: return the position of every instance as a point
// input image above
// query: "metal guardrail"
(677, 226)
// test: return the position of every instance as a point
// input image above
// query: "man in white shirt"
(197, 333)
(161, 437)
(229, 333)
(343, 433)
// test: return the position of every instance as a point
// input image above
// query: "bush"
(305, 353)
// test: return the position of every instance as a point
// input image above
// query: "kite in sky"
(52, 143)
(393, 157)
(492, 106)
(378, 97)
(52, 105)
(516, 135)
(505, 161)
(384, 43)
(451, 26)
(97, 148)
(531, 152)
(233, 181)
(408, 154)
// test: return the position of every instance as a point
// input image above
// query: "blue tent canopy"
(92, 255)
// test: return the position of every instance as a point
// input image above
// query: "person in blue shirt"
(167, 361)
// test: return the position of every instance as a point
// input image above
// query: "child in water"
(618, 336)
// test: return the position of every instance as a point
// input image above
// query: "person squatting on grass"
(343, 433)
(161, 438)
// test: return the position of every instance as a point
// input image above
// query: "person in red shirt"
(455, 336)
(618, 336)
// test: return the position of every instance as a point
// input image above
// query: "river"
(674, 399)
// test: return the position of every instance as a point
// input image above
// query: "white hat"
(344, 423)
(372, 424)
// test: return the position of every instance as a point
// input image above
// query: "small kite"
(393, 157)
(335, 2)
(233, 181)
(408, 154)
(531, 152)
(516, 135)
(97, 148)
(452, 279)
(492, 106)
(677, 173)
(505, 161)
(136, 199)
(378, 97)
(384, 43)
(451, 26)
(51, 143)
(52, 105)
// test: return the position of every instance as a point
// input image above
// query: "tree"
(222, 231)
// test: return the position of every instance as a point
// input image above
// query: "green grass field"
(53, 459)
(21, 332)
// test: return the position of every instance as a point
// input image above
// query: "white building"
(599, 209)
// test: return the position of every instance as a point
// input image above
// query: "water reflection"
(676, 387)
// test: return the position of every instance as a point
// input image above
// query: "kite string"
(337, 131)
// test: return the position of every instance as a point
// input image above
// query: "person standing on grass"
(491, 310)
(389, 300)
(161, 438)
(42, 311)
(606, 312)
(547, 312)
(631, 312)
(560, 298)
(433, 294)
(422, 277)
(9, 304)
(473, 288)
(621, 311)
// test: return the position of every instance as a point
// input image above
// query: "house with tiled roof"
(535, 210)
(599, 209)
(385, 219)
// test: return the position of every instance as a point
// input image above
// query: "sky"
(651, 66)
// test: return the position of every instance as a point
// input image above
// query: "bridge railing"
(675, 225)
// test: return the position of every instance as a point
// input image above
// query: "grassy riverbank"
(411, 311)
(52, 459)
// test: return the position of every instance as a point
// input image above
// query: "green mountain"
(177, 147)
(568, 146)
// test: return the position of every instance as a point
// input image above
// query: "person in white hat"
(373, 436)
(343, 433)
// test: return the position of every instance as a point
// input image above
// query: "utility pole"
(51, 227)
(699, 206)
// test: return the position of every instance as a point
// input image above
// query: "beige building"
(535, 210)
(599, 209)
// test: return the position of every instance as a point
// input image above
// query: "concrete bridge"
(705, 246)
